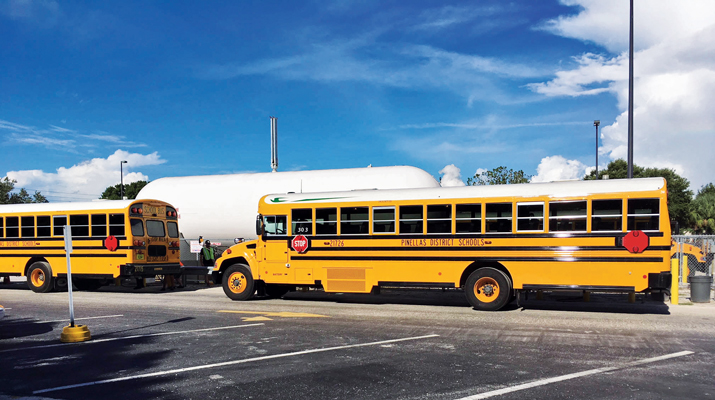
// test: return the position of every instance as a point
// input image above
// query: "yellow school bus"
(110, 239)
(491, 241)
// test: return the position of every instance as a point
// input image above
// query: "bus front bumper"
(149, 270)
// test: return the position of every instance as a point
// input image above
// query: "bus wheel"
(276, 291)
(488, 289)
(238, 282)
(39, 277)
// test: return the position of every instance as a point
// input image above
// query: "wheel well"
(230, 262)
(483, 264)
(34, 260)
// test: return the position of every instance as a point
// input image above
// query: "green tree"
(679, 194)
(702, 215)
(499, 176)
(130, 191)
(7, 185)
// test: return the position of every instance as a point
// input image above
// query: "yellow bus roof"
(69, 206)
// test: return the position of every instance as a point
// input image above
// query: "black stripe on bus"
(484, 248)
(497, 259)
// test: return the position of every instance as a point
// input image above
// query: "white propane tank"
(225, 206)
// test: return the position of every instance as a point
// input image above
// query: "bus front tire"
(488, 289)
(39, 277)
(238, 282)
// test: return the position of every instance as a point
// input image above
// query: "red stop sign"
(300, 244)
(111, 243)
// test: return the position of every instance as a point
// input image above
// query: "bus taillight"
(139, 243)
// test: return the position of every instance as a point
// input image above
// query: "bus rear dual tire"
(238, 283)
(39, 277)
(488, 289)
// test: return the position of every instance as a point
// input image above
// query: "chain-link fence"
(695, 254)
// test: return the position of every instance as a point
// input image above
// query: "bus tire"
(488, 289)
(39, 277)
(88, 285)
(238, 282)
(276, 291)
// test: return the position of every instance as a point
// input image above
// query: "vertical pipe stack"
(274, 144)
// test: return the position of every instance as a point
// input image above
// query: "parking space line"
(561, 378)
(131, 337)
(78, 319)
(226, 363)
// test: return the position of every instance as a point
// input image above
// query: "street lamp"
(596, 123)
(121, 179)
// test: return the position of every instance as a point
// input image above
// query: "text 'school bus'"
(110, 239)
(492, 241)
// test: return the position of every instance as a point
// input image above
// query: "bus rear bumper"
(660, 280)
(150, 270)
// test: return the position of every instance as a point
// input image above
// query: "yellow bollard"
(674, 282)
(686, 271)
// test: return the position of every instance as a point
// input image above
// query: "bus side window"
(498, 217)
(469, 218)
(2, 227)
(275, 225)
(12, 227)
(137, 227)
(439, 218)
(99, 225)
(383, 220)
(606, 215)
(644, 214)
(326, 221)
(411, 222)
(354, 220)
(302, 221)
(58, 223)
(116, 225)
(530, 217)
(44, 226)
(173, 229)
(80, 225)
(28, 227)
(567, 216)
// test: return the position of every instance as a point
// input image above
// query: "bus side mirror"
(259, 226)
(675, 227)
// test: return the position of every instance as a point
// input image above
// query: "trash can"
(700, 288)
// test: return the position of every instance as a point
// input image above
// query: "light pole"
(630, 99)
(121, 179)
(596, 123)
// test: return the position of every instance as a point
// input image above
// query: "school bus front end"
(238, 270)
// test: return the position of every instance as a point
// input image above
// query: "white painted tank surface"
(225, 206)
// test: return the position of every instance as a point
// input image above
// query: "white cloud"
(558, 168)
(674, 88)
(451, 176)
(86, 180)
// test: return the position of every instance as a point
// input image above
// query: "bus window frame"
(38, 226)
(421, 220)
(531, 217)
(31, 226)
(450, 219)
(487, 218)
(393, 220)
(571, 217)
(366, 222)
(111, 228)
(326, 223)
(60, 226)
(74, 231)
(131, 227)
(480, 219)
(275, 224)
(2, 227)
(92, 225)
(634, 215)
(621, 216)
(154, 222)
(293, 222)
(168, 231)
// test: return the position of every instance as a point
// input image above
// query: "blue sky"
(187, 88)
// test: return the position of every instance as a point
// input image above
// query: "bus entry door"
(275, 267)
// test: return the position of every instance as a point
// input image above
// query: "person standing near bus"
(208, 258)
